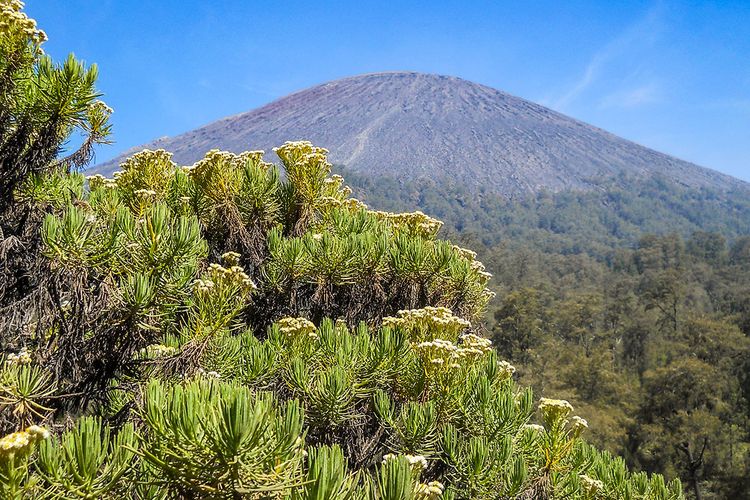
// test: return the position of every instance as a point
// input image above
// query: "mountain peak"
(411, 125)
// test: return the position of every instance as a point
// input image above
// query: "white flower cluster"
(481, 271)
(507, 370)
(101, 107)
(352, 204)
(418, 462)
(429, 491)
(231, 258)
(145, 193)
(12, 20)
(154, 351)
(534, 427)
(591, 485)
(554, 410)
(224, 277)
(332, 188)
(439, 355)
(296, 328)
(413, 222)
(22, 358)
(429, 322)
(480, 345)
(97, 181)
(302, 152)
(335, 179)
(202, 286)
(216, 173)
(579, 424)
(212, 374)
(20, 441)
(465, 252)
(146, 173)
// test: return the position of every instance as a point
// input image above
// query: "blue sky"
(672, 75)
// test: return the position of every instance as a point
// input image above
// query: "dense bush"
(214, 331)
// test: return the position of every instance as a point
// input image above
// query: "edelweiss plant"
(221, 331)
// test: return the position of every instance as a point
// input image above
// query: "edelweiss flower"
(579, 424)
(554, 410)
(294, 328)
(429, 491)
(592, 486)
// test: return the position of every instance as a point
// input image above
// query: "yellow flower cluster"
(554, 410)
(20, 441)
(296, 328)
(22, 358)
(429, 491)
(224, 277)
(13, 21)
(591, 485)
(411, 222)
(428, 323)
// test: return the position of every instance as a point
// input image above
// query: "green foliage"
(222, 331)
(219, 440)
(652, 347)
(614, 215)
(631, 301)
(42, 104)
(87, 461)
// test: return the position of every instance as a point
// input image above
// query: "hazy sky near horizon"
(672, 75)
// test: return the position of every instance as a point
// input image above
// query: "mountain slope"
(412, 126)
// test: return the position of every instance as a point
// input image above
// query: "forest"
(633, 303)
(240, 329)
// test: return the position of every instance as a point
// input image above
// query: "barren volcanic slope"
(411, 125)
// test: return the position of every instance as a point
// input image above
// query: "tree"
(519, 324)
(41, 105)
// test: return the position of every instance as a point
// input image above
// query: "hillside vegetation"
(214, 331)
(633, 303)
(594, 222)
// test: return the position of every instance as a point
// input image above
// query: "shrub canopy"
(222, 330)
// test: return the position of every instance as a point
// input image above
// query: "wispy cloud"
(630, 98)
(638, 34)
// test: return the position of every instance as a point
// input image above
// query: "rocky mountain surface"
(411, 126)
